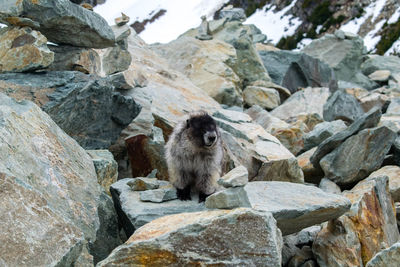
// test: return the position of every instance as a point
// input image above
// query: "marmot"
(194, 155)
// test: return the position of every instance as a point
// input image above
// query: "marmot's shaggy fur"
(194, 155)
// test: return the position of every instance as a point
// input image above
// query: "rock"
(358, 156)
(50, 196)
(134, 213)
(330, 187)
(368, 120)
(394, 107)
(267, 98)
(143, 184)
(86, 107)
(115, 60)
(264, 118)
(380, 75)
(232, 14)
(232, 116)
(190, 238)
(295, 206)
(304, 237)
(389, 257)
(239, 176)
(321, 132)
(204, 30)
(294, 70)
(300, 102)
(206, 65)
(311, 174)
(369, 226)
(376, 62)
(343, 106)
(343, 56)
(302, 256)
(393, 172)
(106, 168)
(159, 195)
(121, 21)
(23, 49)
(75, 58)
(372, 100)
(63, 22)
(230, 198)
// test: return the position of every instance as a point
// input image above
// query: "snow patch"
(275, 24)
(394, 49)
(303, 43)
(395, 17)
(2, 25)
(180, 15)
(371, 39)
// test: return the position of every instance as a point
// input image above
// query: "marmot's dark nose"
(211, 138)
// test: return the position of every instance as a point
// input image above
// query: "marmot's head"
(203, 129)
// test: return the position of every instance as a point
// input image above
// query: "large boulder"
(106, 168)
(321, 132)
(368, 120)
(309, 100)
(61, 21)
(294, 206)
(389, 257)
(376, 62)
(231, 237)
(369, 226)
(294, 70)
(267, 98)
(393, 173)
(86, 107)
(23, 49)
(358, 156)
(207, 64)
(50, 196)
(344, 56)
(342, 106)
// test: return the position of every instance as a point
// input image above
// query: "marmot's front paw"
(202, 197)
(183, 194)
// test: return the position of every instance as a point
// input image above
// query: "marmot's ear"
(187, 124)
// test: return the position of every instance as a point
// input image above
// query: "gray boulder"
(329, 186)
(106, 168)
(232, 14)
(394, 107)
(220, 237)
(267, 98)
(376, 62)
(343, 106)
(62, 22)
(309, 100)
(86, 107)
(344, 56)
(393, 173)
(159, 195)
(293, 70)
(239, 176)
(321, 132)
(134, 213)
(368, 120)
(115, 60)
(358, 156)
(228, 199)
(389, 257)
(50, 197)
(143, 184)
(294, 206)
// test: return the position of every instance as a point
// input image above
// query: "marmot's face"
(204, 130)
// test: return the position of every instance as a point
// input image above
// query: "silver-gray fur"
(192, 161)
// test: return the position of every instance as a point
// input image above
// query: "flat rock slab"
(134, 213)
(295, 206)
(389, 257)
(63, 22)
(240, 237)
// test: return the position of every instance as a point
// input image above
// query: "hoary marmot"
(194, 155)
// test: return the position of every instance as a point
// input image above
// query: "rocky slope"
(311, 142)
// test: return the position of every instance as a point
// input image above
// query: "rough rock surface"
(321, 132)
(329, 186)
(343, 106)
(311, 174)
(368, 120)
(106, 168)
(49, 191)
(300, 102)
(23, 49)
(369, 226)
(159, 195)
(393, 172)
(239, 176)
(389, 257)
(267, 98)
(294, 69)
(228, 199)
(64, 22)
(133, 213)
(86, 107)
(376, 62)
(203, 238)
(358, 156)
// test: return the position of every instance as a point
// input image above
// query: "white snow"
(275, 24)
(180, 15)
(395, 49)
(395, 17)
(371, 40)
(319, 28)
(303, 43)
(373, 10)
(2, 25)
